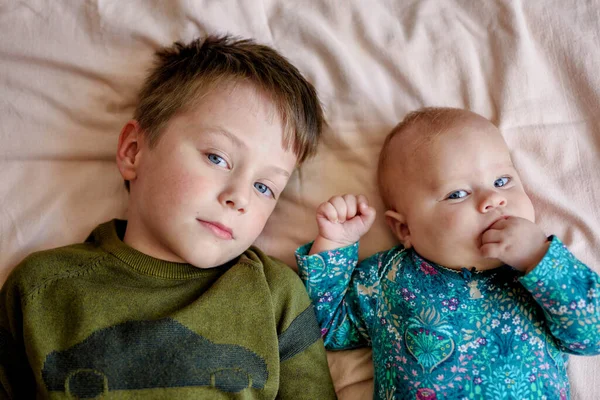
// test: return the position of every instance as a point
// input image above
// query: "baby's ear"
(128, 150)
(398, 225)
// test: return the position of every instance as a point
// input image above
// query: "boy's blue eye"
(264, 189)
(501, 181)
(217, 160)
(459, 194)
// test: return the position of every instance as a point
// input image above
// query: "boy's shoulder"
(287, 292)
(277, 273)
(43, 267)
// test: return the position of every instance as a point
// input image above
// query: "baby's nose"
(492, 201)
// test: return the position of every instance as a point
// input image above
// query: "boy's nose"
(492, 200)
(235, 198)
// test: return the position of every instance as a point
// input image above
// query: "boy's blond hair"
(184, 73)
(431, 122)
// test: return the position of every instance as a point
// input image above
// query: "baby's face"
(205, 192)
(454, 189)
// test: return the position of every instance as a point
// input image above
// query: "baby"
(477, 302)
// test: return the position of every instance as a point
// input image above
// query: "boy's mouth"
(219, 230)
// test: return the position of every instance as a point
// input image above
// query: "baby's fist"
(343, 220)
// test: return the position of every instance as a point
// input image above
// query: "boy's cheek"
(187, 188)
(265, 215)
(259, 220)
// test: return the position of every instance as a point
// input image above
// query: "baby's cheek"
(530, 212)
(452, 222)
(457, 229)
(524, 207)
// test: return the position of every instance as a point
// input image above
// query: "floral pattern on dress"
(441, 333)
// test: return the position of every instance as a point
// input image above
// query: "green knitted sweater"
(102, 320)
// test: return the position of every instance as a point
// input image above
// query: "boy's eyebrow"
(280, 171)
(218, 130)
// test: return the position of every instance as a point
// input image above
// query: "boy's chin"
(210, 262)
(212, 257)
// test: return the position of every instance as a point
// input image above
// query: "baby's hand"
(515, 241)
(342, 220)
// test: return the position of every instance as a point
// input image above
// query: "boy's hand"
(515, 241)
(342, 220)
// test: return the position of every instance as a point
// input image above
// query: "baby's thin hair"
(433, 120)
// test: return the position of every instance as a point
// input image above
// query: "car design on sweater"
(151, 354)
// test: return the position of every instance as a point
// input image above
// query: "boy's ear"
(128, 150)
(398, 225)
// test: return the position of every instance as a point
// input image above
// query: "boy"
(174, 302)
(478, 303)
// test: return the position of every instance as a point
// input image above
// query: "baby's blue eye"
(459, 194)
(264, 189)
(217, 160)
(501, 181)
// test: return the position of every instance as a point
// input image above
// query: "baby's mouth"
(480, 237)
(496, 220)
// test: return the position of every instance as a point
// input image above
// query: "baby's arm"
(569, 294)
(341, 295)
(565, 288)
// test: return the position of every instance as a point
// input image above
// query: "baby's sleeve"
(568, 293)
(343, 293)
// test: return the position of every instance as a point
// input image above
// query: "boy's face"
(205, 192)
(454, 189)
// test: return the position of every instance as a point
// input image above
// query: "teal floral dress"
(438, 333)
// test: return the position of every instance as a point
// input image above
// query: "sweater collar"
(110, 235)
